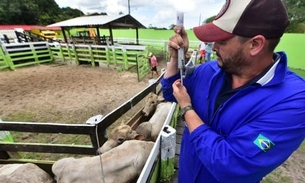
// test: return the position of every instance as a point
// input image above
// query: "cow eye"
(121, 140)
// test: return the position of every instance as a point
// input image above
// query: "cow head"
(117, 136)
(151, 102)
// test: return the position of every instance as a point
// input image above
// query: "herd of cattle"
(120, 159)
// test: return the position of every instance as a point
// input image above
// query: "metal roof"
(101, 21)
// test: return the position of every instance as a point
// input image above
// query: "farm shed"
(100, 21)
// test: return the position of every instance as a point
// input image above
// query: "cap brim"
(210, 33)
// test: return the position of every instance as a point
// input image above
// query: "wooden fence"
(23, 54)
(95, 131)
(3, 62)
(123, 57)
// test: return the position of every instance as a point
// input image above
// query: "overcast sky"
(158, 13)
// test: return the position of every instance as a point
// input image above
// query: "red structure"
(28, 27)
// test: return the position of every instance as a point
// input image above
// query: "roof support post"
(111, 35)
(64, 34)
(98, 36)
(137, 35)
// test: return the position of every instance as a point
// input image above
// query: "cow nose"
(98, 152)
(144, 113)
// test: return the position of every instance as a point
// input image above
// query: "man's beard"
(234, 64)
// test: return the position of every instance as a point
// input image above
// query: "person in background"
(202, 52)
(244, 113)
(208, 51)
(153, 64)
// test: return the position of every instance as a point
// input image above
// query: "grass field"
(299, 72)
(292, 44)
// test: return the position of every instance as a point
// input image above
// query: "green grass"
(277, 177)
(293, 45)
(299, 72)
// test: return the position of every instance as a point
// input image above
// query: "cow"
(121, 164)
(151, 128)
(151, 102)
(24, 173)
(148, 130)
(117, 136)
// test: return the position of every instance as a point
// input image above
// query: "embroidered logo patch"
(263, 143)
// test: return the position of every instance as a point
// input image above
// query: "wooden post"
(5, 136)
(125, 58)
(5, 63)
(137, 35)
(31, 45)
(64, 34)
(91, 56)
(111, 35)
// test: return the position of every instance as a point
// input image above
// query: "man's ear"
(257, 44)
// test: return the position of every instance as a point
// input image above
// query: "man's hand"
(179, 39)
(181, 95)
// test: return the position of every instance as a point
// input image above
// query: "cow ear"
(139, 137)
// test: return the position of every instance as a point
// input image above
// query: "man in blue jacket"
(245, 112)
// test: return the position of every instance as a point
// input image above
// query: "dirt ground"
(73, 94)
(63, 93)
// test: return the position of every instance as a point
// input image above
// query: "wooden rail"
(24, 54)
(95, 131)
(124, 57)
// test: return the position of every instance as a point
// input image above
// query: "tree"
(92, 14)
(171, 27)
(34, 12)
(296, 14)
(210, 19)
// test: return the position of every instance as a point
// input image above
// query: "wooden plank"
(4, 155)
(47, 148)
(178, 138)
(175, 178)
(135, 120)
(179, 132)
(47, 127)
(178, 146)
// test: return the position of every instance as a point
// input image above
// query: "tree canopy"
(34, 12)
(296, 13)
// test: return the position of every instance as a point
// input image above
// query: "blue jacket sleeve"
(167, 89)
(255, 149)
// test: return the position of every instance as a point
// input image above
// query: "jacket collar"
(274, 75)
(278, 68)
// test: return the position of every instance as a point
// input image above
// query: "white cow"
(121, 164)
(146, 131)
(151, 129)
(23, 173)
(117, 136)
(151, 102)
